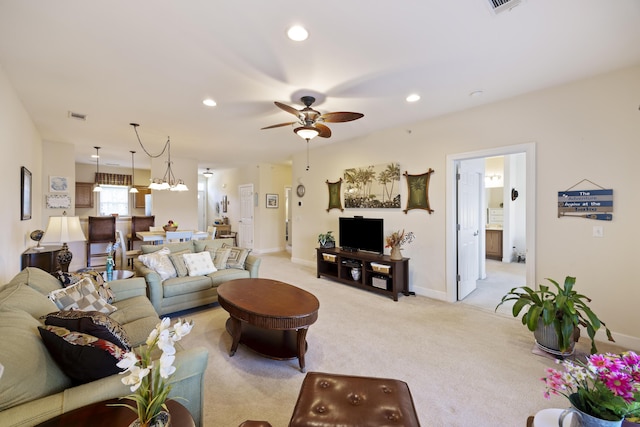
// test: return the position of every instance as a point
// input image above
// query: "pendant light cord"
(166, 145)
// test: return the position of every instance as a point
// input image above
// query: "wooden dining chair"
(126, 255)
(101, 231)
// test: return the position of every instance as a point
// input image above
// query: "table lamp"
(63, 229)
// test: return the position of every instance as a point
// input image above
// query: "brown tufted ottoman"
(345, 401)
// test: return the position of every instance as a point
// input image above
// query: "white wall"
(584, 130)
(21, 145)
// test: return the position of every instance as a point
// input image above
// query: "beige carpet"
(465, 366)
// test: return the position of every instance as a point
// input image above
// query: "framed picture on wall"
(58, 184)
(272, 201)
(25, 194)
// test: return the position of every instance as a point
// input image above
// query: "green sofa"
(34, 389)
(181, 293)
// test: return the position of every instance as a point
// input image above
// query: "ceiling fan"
(311, 121)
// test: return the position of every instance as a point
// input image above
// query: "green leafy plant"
(326, 239)
(561, 307)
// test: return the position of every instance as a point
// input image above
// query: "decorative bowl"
(169, 228)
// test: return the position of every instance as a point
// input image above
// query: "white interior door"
(469, 225)
(245, 232)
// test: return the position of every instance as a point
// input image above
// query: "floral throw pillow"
(159, 262)
(81, 356)
(199, 263)
(81, 296)
(95, 323)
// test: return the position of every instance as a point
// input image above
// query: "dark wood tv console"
(386, 276)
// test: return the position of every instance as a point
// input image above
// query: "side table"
(101, 415)
(118, 274)
(44, 259)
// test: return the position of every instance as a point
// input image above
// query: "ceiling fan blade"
(278, 125)
(343, 116)
(325, 132)
(288, 109)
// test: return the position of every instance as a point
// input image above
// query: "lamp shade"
(306, 132)
(63, 229)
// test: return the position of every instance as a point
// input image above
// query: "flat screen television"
(361, 234)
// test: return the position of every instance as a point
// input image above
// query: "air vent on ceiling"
(78, 116)
(498, 6)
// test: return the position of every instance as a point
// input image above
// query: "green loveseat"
(34, 389)
(181, 293)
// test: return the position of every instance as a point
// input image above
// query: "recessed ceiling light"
(297, 33)
(413, 97)
(476, 94)
(209, 102)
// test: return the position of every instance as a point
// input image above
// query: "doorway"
(459, 259)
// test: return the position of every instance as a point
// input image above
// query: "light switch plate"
(598, 231)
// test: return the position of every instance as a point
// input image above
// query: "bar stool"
(139, 223)
(101, 230)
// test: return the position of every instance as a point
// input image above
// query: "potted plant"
(327, 240)
(561, 311)
(604, 389)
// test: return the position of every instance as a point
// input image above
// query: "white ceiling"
(154, 61)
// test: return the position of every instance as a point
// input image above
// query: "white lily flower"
(134, 379)
(181, 329)
(130, 359)
(165, 323)
(152, 337)
(166, 365)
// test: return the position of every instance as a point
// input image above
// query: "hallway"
(501, 277)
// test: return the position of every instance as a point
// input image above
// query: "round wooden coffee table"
(105, 414)
(269, 316)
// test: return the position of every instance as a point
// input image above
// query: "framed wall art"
(224, 204)
(373, 186)
(58, 201)
(334, 195)
(418, 191)
(25, 194)
(58, 184)
(272, 201)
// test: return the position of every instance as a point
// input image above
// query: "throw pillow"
(94, 323)
(160, 262)
(178, 263)
(220, 256)
(68, 279)
(81, 296)
(82, 357)
(199, 263)
(237, 257)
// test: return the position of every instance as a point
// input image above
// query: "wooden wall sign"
(590, 204)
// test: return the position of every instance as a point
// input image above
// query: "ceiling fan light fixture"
(297, 33)
(207, 173)
(209, 102)
(306, 132)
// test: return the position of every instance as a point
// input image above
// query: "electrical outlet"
(598, 231)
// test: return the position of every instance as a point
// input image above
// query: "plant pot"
(582, 419)
(167, 228)
(163, 419)
(328, 245)
(547, 339)
(395, 254)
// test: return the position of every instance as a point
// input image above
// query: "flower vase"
(395, 253)
(582, 419)
(110, 264)
(162, 419)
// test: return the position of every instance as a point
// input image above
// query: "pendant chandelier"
(133, 188)
(97, 188)
(168, 181)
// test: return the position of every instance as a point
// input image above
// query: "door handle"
(475, 234)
